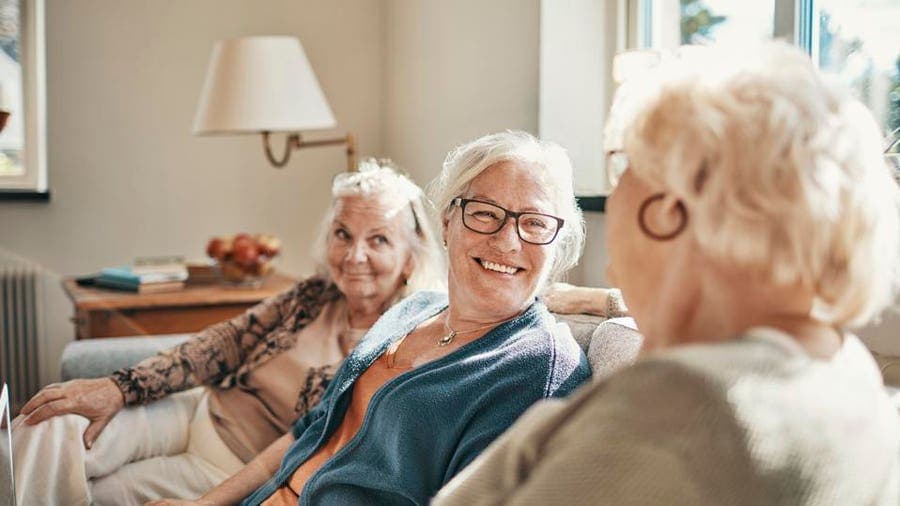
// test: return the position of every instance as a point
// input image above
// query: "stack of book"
(149, 275)
(202, 272)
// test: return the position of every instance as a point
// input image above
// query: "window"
(673, 23)
(22, 139)
(856, 40)
(859, 41)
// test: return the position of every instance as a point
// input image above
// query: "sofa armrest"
(609, 344)
(615, 344)
(582, 327)
(95, 358)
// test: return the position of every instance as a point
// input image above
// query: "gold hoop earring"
(665, 236)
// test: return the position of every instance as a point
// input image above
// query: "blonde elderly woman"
(262, 370)
(754, 223)
(439, 376)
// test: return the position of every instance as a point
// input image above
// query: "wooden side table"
(110, 313)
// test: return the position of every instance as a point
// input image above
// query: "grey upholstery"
(95, 358)
(609, 345)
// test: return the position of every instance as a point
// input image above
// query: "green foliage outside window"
(894, 99)
(697, 21)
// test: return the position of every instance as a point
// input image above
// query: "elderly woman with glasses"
(439, 376)
(754, 222)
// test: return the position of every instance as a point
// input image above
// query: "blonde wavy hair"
(467, 161)
(382, 176)
(778, 169)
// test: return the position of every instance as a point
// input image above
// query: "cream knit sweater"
(751, 421)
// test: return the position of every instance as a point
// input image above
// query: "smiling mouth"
(495, 267)
(358, 274)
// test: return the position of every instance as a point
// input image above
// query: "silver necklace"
(447, 339)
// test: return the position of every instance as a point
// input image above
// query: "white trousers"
(168, 448)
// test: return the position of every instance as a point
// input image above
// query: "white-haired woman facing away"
(753, 224)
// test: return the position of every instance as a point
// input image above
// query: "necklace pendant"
(447, 339)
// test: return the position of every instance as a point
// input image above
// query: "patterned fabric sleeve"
(213, 354)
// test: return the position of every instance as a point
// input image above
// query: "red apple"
(242, 238)
(219, 247)
(245, 253)
(214, 247)
(227, 246)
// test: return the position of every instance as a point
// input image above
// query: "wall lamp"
(266, 85)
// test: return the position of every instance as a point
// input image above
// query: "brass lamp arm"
(294, 141)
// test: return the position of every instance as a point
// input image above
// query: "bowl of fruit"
(243, 259)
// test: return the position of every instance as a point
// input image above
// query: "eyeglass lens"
(488, 218)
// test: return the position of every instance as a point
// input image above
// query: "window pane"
(12, 136)
(859, 41)
(676, 22)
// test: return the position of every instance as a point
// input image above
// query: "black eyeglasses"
(486, 218)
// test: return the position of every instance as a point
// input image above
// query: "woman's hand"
(98, 400)
(564, 298)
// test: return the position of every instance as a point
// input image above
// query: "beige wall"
(576, 83)
(454, 71)
(575, 90)
(126, 175)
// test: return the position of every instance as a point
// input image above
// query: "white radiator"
(20, 317)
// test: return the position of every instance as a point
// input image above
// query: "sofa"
(608, 343)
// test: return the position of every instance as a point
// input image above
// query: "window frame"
(794, 20)
(33, 184)
(628, 24)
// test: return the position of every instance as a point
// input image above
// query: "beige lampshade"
(256, 84)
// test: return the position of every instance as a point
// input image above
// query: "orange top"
(380, 372)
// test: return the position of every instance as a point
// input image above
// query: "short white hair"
(382, 177)
(778, 168)
(468, 161)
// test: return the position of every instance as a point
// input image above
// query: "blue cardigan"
(424, 426)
